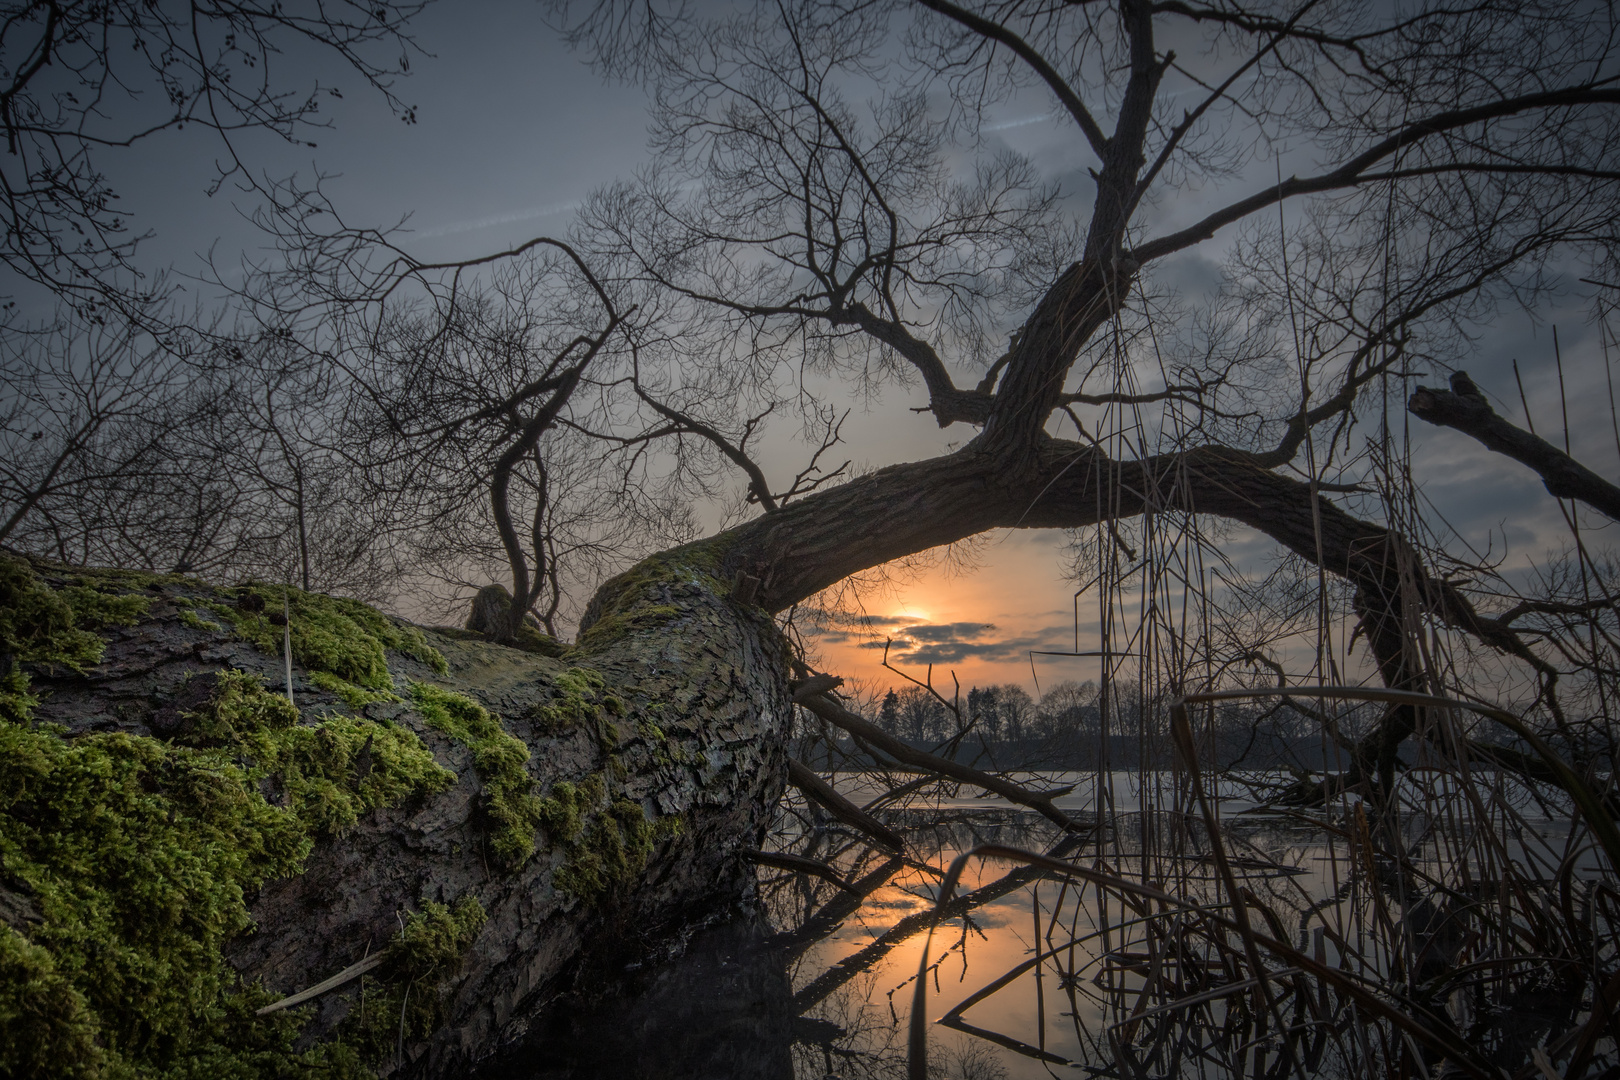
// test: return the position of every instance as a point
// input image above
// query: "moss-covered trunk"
(476, 814)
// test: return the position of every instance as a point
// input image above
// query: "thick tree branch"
(1464, 408)
(908, 508)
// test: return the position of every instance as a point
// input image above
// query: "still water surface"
(821, 984)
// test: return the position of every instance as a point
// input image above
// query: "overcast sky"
(513, 131)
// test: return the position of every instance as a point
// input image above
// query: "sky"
(513, 131)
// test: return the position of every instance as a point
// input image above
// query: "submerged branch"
(822, 793)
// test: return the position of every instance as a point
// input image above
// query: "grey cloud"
(942, 632)
(957, 651)
(881, 620)
(912, 642)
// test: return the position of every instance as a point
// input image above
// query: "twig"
(347, 975)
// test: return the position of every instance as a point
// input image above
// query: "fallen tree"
(216, 799)
(526, 809)
(510, 807)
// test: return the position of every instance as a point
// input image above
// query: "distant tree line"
(1074, 725)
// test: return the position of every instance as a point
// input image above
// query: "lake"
(1041, 977)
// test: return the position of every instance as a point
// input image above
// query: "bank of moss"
(39, 625)
(581, 700)
(404, 1002)
(631, 601)
(134, 857)
(95, 609)
(192, 621)
(329, 773)
(532, 640)
(138, 855)
(355, 697)
(605, 840)
(502, 764)
(343, 638)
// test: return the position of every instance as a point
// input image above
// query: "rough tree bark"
(695, 736)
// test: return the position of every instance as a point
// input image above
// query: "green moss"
(331, 634)
(407, 997)
(502, 764)
(531, 640)
(139, 854)
(581, 701)
(331, 773)
(191, 619)
(38, 625)
(355, 697)
(630, 601)
(50, 1028)
(606, 841)
(112, 580)
(52, 1032)
(433, 940)
(641, 617)
(611, 851)
(94, 609)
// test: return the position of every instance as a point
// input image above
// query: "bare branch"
(1465, 409)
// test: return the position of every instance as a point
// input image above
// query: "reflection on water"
(1031, 977)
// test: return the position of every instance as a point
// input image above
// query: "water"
(821, 986)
